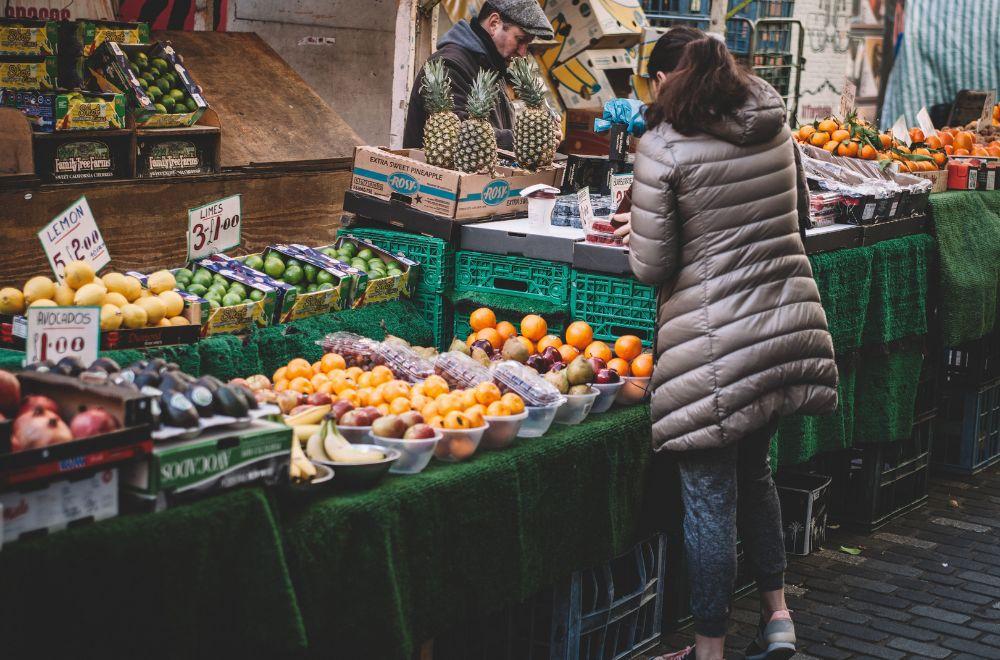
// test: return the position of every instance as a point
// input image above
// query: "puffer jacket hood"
(461, 34)
(741, 335)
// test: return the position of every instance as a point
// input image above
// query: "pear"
(460, 346)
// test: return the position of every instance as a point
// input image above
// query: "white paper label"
(620, 183)
(73, 236)
(58, 332)
(869, 211)
(991, 179)
(899, 131)
(892, 210)
(586, 210)
(986, 118)
(925, 123)
(214, 227)
(847, 98)
(973, 178)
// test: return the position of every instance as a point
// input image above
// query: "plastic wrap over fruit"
(460, 370)
(406, 364)
(515, 377)
(356, 350)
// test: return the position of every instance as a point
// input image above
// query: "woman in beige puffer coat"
(741, 335)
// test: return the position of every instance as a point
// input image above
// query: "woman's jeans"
(721, 488)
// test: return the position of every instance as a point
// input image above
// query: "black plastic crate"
(973, 363)
(610, 612)
(805, 503)
(678, 7)
(775, 68)
(928, 391)
(878, 482)
(969, 430)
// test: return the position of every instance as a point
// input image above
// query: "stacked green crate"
(614, 306)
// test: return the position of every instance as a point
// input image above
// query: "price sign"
(899, 131)
(73, 236)
(586, 210)
(847, 99)
(986, 118)
(214, 227)
(620, 183)
(925, 123)
(58, 332)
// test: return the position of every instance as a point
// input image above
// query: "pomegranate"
(33, 401)
(38, 428)
(10, 393)
(93, 421)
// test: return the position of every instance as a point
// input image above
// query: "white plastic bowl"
(634, 391)
(606, 396)
(458, 444)
(539, 419)
(502, 430)
(414, 454)
(577, 407)
(356, 435)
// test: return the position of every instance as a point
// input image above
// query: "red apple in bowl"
(607, 376)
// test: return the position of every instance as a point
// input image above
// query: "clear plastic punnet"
(460, 370)
(406, 364)
(522, 380)
(356, 350)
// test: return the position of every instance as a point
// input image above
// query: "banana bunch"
(300, 468)
(304, 424)
(327, 444)
(312, 416)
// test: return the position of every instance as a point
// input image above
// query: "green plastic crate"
(435, 256)
(438, 312)
(614, 306)
(555, 322)
(497, 273)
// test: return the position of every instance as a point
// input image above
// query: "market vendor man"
(501, 32)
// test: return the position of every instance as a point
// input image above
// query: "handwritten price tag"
(73, 236)
(847, 99)
(214, 227)
(925, 123)
(586, 210)
(58, 332)
(899, 131)
(620, 183)
(986, 117)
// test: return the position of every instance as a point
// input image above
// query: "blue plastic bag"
(623, 111)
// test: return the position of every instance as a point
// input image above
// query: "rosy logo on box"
(403, 183)
(495, 192)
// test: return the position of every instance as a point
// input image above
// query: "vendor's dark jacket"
(465, 49)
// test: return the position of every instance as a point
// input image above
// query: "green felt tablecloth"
(968, 233)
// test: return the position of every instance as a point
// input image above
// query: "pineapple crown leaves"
(436, 87)
(526, 83)
(482, 95)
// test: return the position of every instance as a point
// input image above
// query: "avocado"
(177, 410)
(202, 399)
(70, 366)
(106, 364)
(248, 398)
(228, 402)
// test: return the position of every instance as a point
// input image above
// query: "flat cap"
(527, 15)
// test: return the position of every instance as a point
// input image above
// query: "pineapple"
(535, 133)
(441, 129)
(477, 143)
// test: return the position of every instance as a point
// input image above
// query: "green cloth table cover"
(968, 234)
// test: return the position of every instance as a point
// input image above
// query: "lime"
(197, 289)
(177, 94)
(325, 286)
(256, 295)
(375, 275)
(163, 84)
(274, 266)
(148, 77)
(359, 263)
(168, 102)
(213, 295)
(219, 279)
(160, 108)
(311, 288)
(135, 68)
(310, 272)
(140, 58)
(183, 273)
(366, 254)
(214, 304)
(324, 277)
(159, 64)
(143, 84)
(238, 289)
(202, 277)
(293, 273)
(293, 262)
(217, 290)
(254, 261)
(348, 248)
(154, 93)
(191, 105)
(330, 252)
(231, 299)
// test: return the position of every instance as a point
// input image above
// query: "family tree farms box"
(404, 176)
(596, 23)
(84, 155)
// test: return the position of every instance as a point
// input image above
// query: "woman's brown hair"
(707, 85)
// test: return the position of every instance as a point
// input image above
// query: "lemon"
(133, 316)
(173, 302)
(154, 308)
(115, 283)
(179, 320)
(165, 323)
(116, 299)
(160, 281)
(78, 273)
(145, 293)
(64, 295)
(89, 295)
(111, 317)
(133, 288)
(43, 302)
(11, 301)
(39, 287)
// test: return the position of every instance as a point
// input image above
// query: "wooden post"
(416, 36)
(717, 19)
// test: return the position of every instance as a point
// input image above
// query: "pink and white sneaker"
(775, 641)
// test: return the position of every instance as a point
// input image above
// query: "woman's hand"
(626, 229)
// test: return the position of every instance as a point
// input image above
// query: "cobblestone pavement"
(926, 585)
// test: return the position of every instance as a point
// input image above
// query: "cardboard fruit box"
(209, 464)
(404, 176)
(596, 24)
(381, 289)
(112, 67)
(973, 173)
(38, 509)
(29, 72)
(91, 34)
(67, 110)
(21, 36)
(594, 77)
(132, 410)
(312, 303)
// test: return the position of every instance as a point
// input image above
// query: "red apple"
(411, 418)
(605, 376)
(318, 399)
(339, 408)
(419, 432)
(551, 353)
(597, 363)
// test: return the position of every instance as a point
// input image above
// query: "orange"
(381, 374)
(548, 340)
(490, 335)
(923, 151)
(417, 389)
(435, 386)
(317, 367)
(598, 349)
(513, 402)
(961, 152)
(940, 158)
(828, 126)
(487, 393)
(341, 385)
(949, 149)
(885, 139)
(467, 399)
(848, 149)
(806, 131)
(326, 388)
(903, 150)
(528, 344)
(840, 135)
(868, 152)
(399, 405)
(979, 151)
(394, 389)
(301, 384)
(819, 138)
(352, 396)
(332, 361)
(620, 365)
(628, 347)
(642, 366)
(280, 374)
(430, 410)
(934, 142)
(506, 329)
(534, 327)
(318, 381)
(418, 401)
(994, 151)
(831, 146)
(299, 368)
(470, 339)
(354, 373)
(383, 408)
(437, 421)
(579, 335)
(946, 138)
(964, 140)
(447, 403)
(365, 397)
(475, 415)
(366, 380)
(568, 352)
(916, 135)
(280, 385)
(497, 409)
(482, 318)
(457, 420)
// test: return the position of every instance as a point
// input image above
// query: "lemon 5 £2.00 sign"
(214, 227)
(73, 236)
(58, 332)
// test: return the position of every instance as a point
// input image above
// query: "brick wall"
(826, 24)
